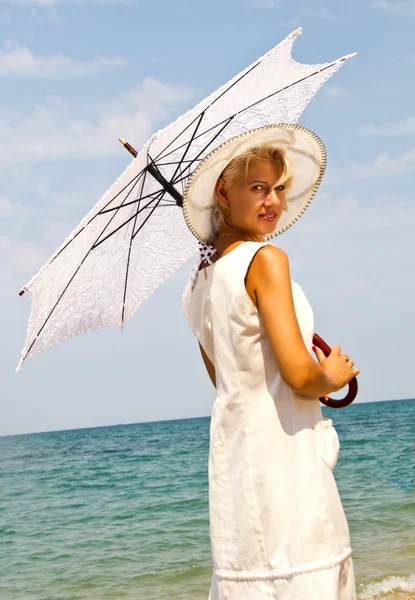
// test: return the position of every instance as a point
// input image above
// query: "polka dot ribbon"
(205, 252)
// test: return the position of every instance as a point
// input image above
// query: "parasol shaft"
(152, 169)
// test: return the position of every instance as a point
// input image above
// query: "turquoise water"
(122, 512)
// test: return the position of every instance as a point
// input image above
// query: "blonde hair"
(241, 162)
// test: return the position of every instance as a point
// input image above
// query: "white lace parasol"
(135, 237)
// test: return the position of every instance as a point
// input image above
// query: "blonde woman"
(277, 525)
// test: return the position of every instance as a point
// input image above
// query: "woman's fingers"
(319, 353)
(341, 371)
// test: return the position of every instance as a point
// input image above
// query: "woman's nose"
(273, 199)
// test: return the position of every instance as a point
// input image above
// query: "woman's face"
(257, 201)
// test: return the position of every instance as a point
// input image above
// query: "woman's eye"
(257, 187)
(280, 187)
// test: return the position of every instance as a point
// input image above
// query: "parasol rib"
(65, 288)
(251, 106)
(96, 215)
(202, 114)
(128, 258)
(137, 200)
(148, 216)
(98, 243)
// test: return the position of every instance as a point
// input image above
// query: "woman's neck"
(228, 239)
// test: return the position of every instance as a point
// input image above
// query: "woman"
(277, 525)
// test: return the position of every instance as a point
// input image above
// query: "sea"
(122, 512)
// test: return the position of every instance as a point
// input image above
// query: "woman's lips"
(268, 217)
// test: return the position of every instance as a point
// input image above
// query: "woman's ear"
(221, 191)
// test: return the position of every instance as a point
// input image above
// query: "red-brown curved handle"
(352, 391)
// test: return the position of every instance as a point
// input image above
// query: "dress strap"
(242, 263)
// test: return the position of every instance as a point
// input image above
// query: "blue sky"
(77, 74)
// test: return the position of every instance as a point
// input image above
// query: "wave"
(391, 588)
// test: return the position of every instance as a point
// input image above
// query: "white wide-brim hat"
(308, 157)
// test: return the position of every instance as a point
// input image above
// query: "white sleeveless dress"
(277, 526)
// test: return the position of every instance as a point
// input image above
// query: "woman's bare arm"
(269, 277)
(209, 366)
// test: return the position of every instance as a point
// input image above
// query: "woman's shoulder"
(270, 261)
(266, 263)
(269, 256)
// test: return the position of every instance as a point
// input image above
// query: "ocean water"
(122, 512)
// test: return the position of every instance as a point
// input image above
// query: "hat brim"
(308, 157)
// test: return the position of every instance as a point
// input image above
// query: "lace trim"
(317, 565)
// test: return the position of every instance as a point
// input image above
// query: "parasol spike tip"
(294, 34)
(350, 56)
(122, 140)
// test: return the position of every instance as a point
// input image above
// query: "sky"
(77, 74)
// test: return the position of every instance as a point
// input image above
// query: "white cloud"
(319, 13)
(54, 15)
(289, 24)
(266, 3)
(347, 214)
(402, 8)
(45, 226)
(356, 258)
(335, 91)
(51, 132)
(21, 255)
(57, 101)
(16, 60)
(38, 2)
(13, 210)
(49, 3)
(400, 128)
(382, 165)
(19, 259)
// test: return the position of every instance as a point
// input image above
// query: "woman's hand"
(338, 367)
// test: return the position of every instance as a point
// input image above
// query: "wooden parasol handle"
(352, 391)
(128, 146)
